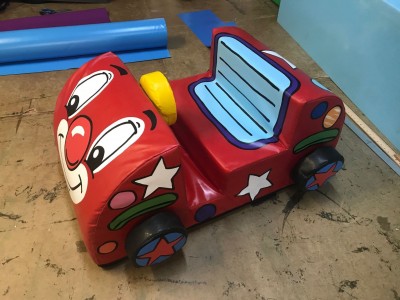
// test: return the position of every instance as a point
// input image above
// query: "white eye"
(86, 90)
(114, 140)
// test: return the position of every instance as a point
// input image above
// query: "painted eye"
(86, 90)
(113, 141)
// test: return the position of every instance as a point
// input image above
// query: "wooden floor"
(340, 243)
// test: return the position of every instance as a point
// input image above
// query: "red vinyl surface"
(123, 163)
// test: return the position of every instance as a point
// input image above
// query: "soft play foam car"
(144, 163)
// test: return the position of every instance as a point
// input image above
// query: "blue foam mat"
(202, 24)
(59, 64)
(60, 48)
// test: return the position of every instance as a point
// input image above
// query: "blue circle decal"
(205, 212)
(319, 110)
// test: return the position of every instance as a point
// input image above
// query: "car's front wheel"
(155, 240)
(316, 168)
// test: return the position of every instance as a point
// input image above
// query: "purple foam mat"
(80, 17)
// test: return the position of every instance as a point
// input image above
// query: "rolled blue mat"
(82, 40)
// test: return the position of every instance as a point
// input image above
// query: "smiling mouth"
(76, 179)
(73, 188)
(142, 208)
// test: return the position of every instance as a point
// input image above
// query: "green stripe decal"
(142, 208)
(317, 138)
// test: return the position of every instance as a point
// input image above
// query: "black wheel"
(316, 168)
(155, 240)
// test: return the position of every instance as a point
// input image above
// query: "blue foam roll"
(72, 41)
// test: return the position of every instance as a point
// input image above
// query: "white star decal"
(256, 183)
(160, 178)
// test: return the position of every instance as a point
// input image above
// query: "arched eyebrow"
(153, 119)
(121, 70)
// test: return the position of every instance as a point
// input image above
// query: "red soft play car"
(143, 163)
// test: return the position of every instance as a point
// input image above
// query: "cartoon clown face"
(82, 154)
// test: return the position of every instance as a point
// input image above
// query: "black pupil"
(72, 105)
(95, 158)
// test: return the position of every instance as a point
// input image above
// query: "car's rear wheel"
(316, 168)
(157, 88)
(155, 240)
